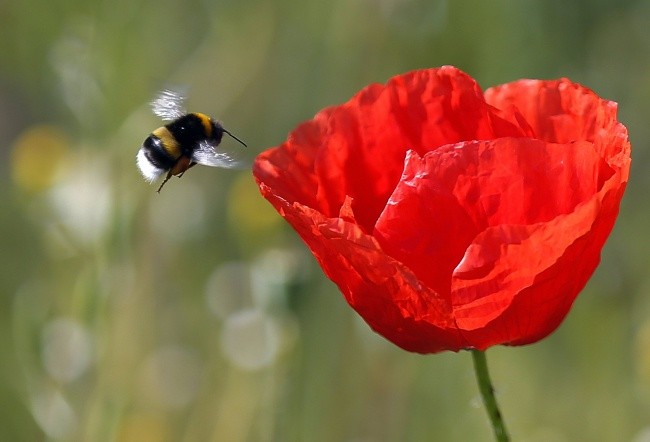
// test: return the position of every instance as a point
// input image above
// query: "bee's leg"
(169, 175)
(181, 174)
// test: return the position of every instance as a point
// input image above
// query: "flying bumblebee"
(189, 139)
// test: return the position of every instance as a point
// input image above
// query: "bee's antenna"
(244, 144)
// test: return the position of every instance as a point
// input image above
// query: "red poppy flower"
(452, 218)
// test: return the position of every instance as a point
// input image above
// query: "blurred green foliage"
(196, 314)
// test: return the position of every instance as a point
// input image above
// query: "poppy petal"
(381, 289)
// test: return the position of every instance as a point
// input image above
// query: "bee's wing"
(168, 105)
(216, 156)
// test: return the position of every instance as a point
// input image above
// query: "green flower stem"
(487, 392)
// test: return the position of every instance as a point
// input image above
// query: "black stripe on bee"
(156, 153)
(190, 129)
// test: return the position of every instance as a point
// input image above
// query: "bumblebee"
(189, 139)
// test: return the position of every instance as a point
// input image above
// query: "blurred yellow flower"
(37, 155)
(247, 211)
(143, 427)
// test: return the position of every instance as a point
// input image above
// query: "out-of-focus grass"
(197, 314)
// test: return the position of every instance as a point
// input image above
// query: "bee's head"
(218, 131)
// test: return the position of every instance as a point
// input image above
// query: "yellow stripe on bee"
(169, 143)
(206, 122)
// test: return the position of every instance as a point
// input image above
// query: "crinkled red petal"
(449, 221)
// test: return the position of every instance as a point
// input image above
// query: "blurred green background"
(197, 314)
